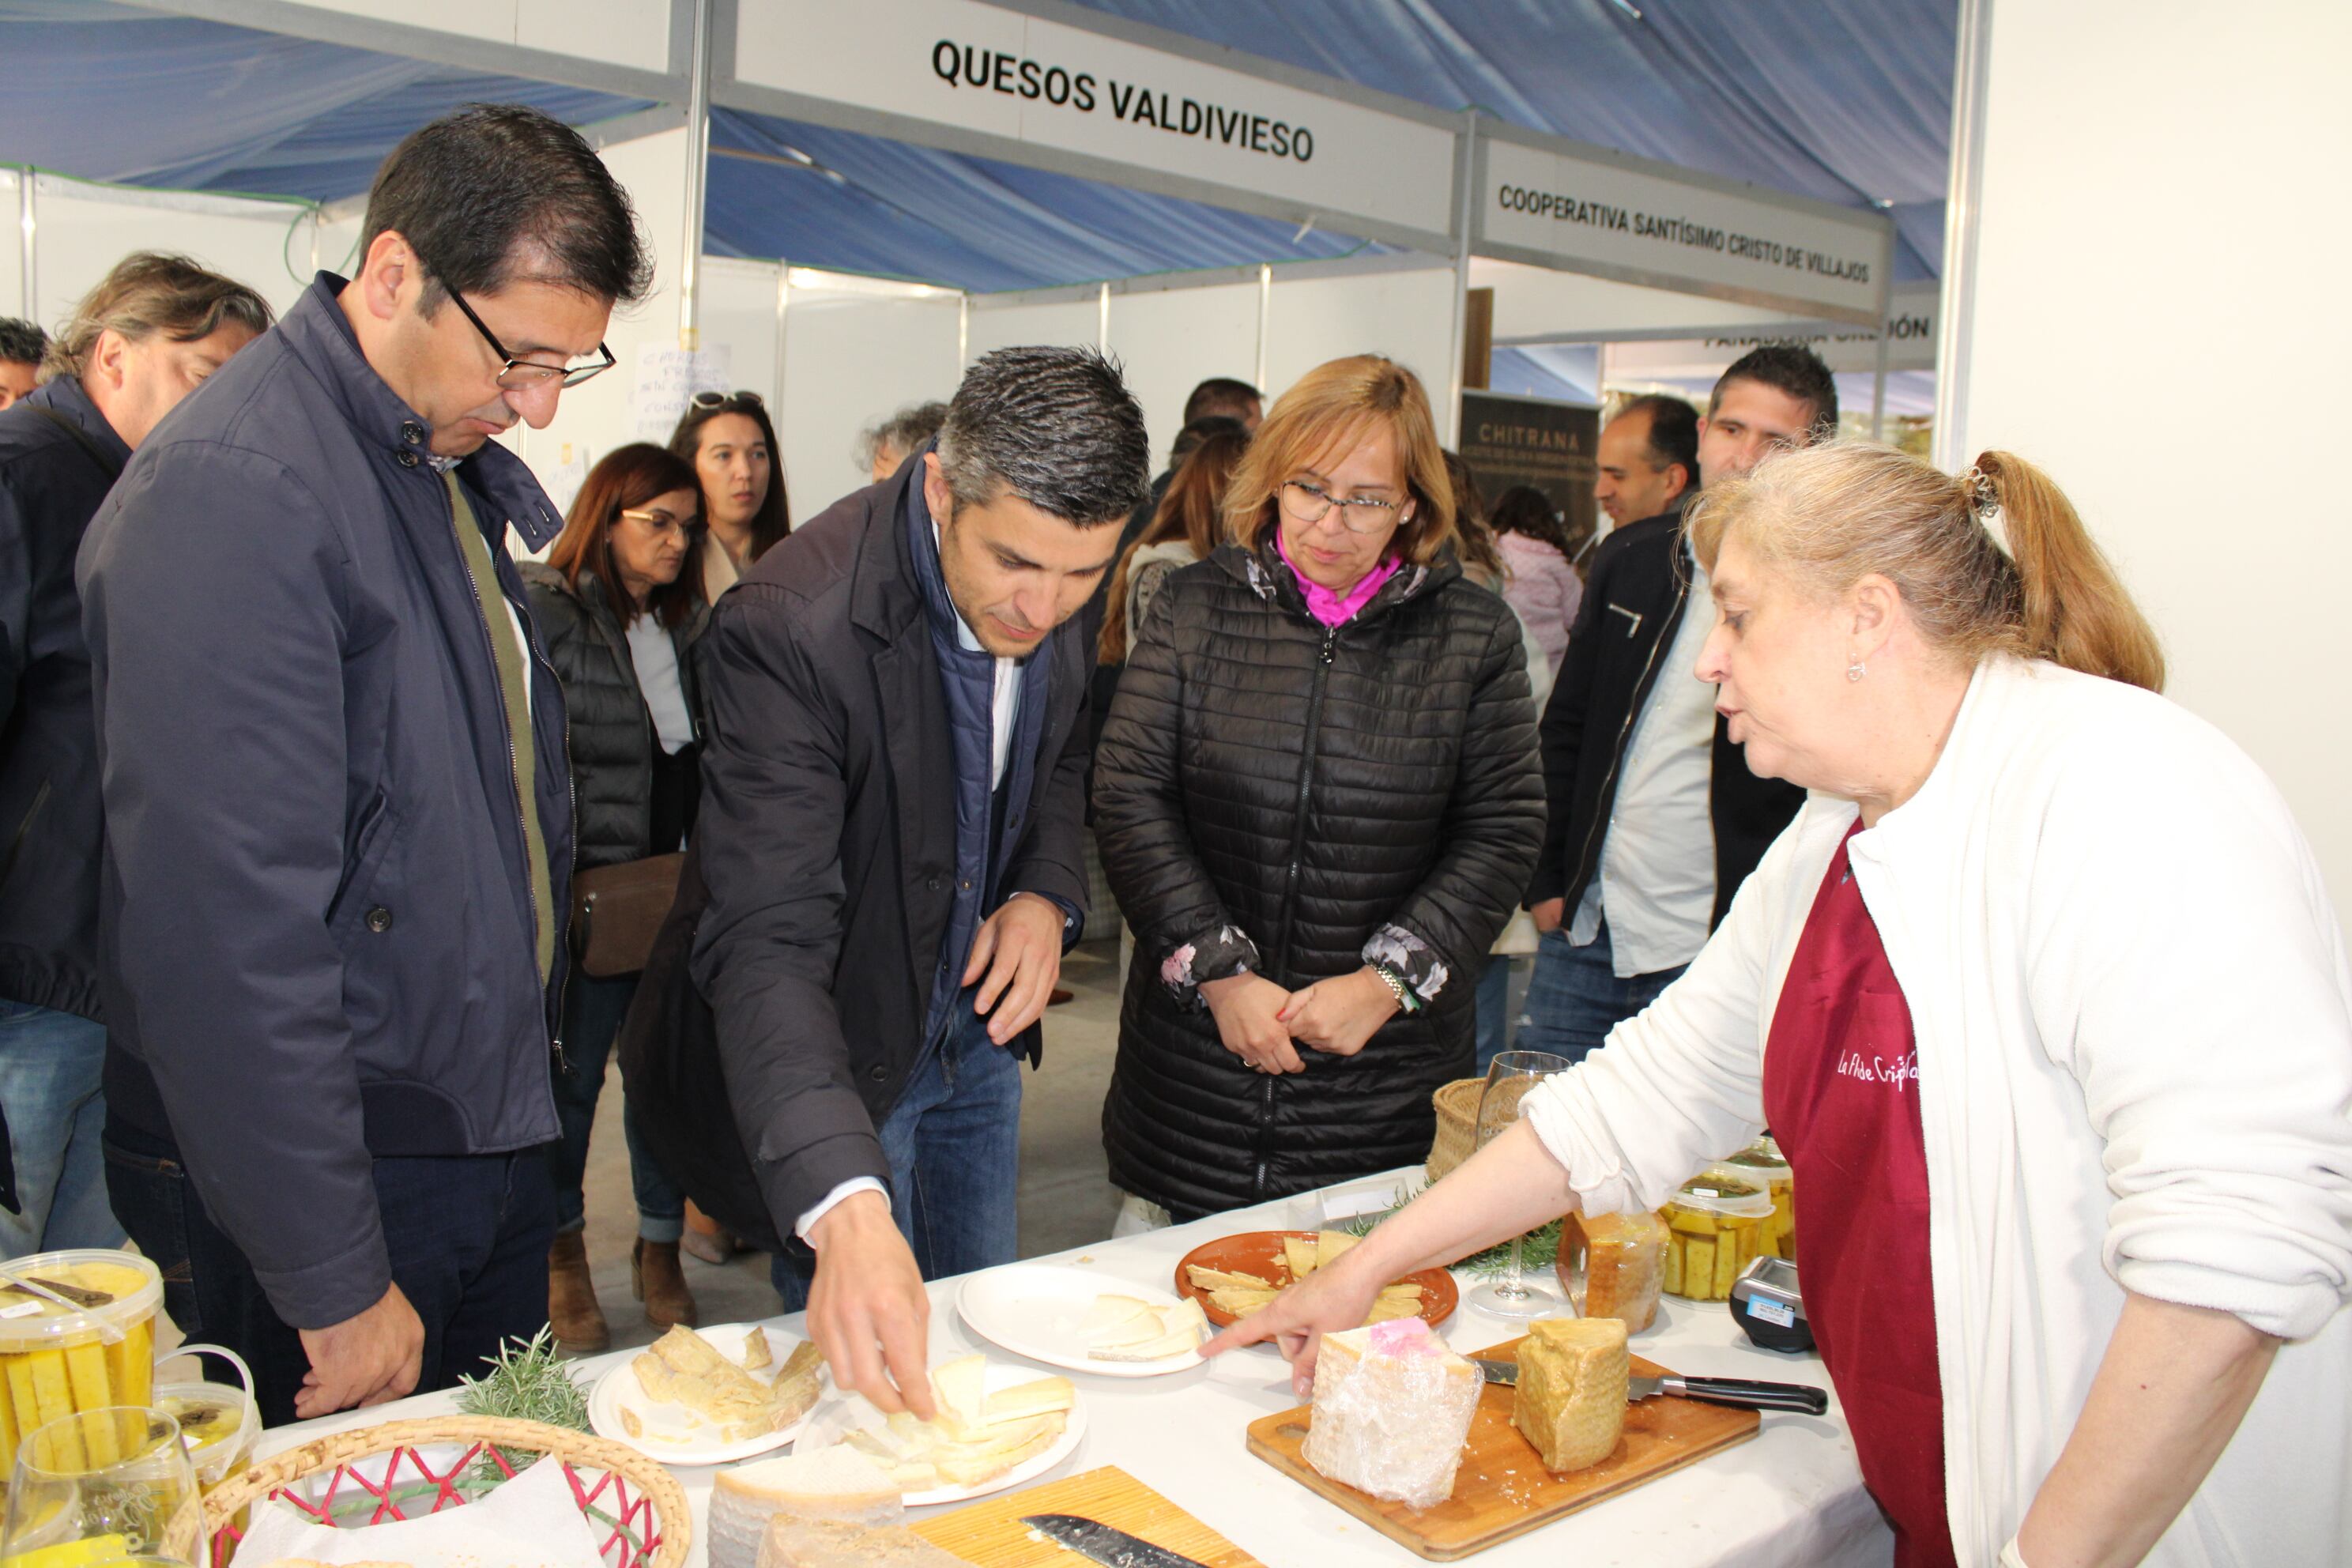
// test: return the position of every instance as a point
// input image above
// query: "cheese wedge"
(1571, 1401)
(1111, 1314)
(962, 1387)
(756, 1353)
(1330, 1243)
(1040, 1397)
(838, 1483)
(1392, 1410)
(1298, 1254)
(683, 1368)
(1145, 1333)
(1217, 1279)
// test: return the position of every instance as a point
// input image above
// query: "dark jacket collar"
(883, 597)
(1269, 577)
(317, 332)
(65, 396)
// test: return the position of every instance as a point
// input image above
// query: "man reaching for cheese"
(891, 841)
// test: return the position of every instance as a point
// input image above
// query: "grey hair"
(1056, 427)
(903, 432)
(149, 292)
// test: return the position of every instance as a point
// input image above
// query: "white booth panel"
(1172, 340)
(82, 230)
(617, 32)
(849, 361)
(738, 314)
(1069, 322)
(1408, 316)
(1534, 302)
(2092, 303)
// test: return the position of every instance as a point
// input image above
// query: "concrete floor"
(1066, 1198)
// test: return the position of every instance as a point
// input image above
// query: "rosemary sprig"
(1541, 1250)
(528, 1383)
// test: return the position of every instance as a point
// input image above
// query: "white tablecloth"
(1792, 1496)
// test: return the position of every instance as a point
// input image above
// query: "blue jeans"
(593, 1012)
(1494, 1010)
(1576, 997)
(51, 1064)
(467, 1237)
(953, 1141)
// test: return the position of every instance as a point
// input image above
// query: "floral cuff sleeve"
(1415, 962)
(1219, 955)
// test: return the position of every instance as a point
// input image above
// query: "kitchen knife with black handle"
(1803, 1398)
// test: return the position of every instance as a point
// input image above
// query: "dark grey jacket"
(613, 739)
(50, 485)
(316, 926)
(827, 838)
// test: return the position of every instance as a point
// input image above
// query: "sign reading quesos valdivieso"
(1647, 229)
(998, 73)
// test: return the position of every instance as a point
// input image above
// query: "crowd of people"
(1829, 793)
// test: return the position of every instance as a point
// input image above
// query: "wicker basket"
(1457, 1124)
(651, 1524)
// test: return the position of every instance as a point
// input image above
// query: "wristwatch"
(1406, 1000)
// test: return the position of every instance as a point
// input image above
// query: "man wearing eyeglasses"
(339, 832)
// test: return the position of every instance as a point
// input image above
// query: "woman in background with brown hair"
(727, 438)
(2043, 994)
(618, 614)
(1318, 801)
(1189, 524)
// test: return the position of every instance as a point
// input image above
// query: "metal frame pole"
(1956, 310)
(697, 163)
(1465, 168)
(26, 222)
(1264, 322)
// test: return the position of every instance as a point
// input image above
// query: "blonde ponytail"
(1834, 514)
(2073, 610)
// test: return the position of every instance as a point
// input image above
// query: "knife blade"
(1740, 1392)
(1106, 1544)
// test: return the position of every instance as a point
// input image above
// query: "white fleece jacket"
(2134, 1016)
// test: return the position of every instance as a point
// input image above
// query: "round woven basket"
(640, 1510)
(1457, 1124)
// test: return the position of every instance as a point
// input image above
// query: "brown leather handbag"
(617, 910)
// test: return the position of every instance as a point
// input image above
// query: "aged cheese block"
(1393, 1408)
(1624, 1260)
(1571, 1395)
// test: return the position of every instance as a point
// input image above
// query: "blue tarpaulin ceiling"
(1848, 100)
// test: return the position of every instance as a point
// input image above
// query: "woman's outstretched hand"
(1325, 1301)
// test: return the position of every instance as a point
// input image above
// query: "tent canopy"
(1846, 100)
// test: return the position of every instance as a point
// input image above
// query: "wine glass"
(119, 1475)
(1509, 1078)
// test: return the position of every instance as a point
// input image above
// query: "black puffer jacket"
(613, 737)
(1274, 796)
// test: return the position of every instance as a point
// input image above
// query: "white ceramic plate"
(832, 1422)
(1035, 1309)
(674, 1435)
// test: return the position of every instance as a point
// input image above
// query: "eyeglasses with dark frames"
(660, 521)
(527, 375)
(1307, 502)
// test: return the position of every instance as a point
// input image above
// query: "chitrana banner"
(1533, 441)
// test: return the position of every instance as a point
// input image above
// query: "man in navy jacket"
(339, 826)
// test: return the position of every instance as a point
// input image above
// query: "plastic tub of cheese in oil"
(92, 1350)
(1762, 1160)
(1716, 1225)
(219, 1421)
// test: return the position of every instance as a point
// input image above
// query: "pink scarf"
(1336, 610)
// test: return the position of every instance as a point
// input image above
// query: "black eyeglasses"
(727, 399)
(525, 374)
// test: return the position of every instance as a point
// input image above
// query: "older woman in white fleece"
(2043, 992)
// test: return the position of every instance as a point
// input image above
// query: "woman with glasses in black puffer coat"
(1318, 800)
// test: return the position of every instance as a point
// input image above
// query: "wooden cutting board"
(1503, 1490)
(990, 1535)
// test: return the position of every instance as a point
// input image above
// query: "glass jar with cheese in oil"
(93, 1351)
(1716, 1225)
(1763, 1162)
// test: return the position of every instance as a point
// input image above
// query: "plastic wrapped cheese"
(1393, 1409)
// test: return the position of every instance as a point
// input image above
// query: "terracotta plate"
(1259, 1252)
